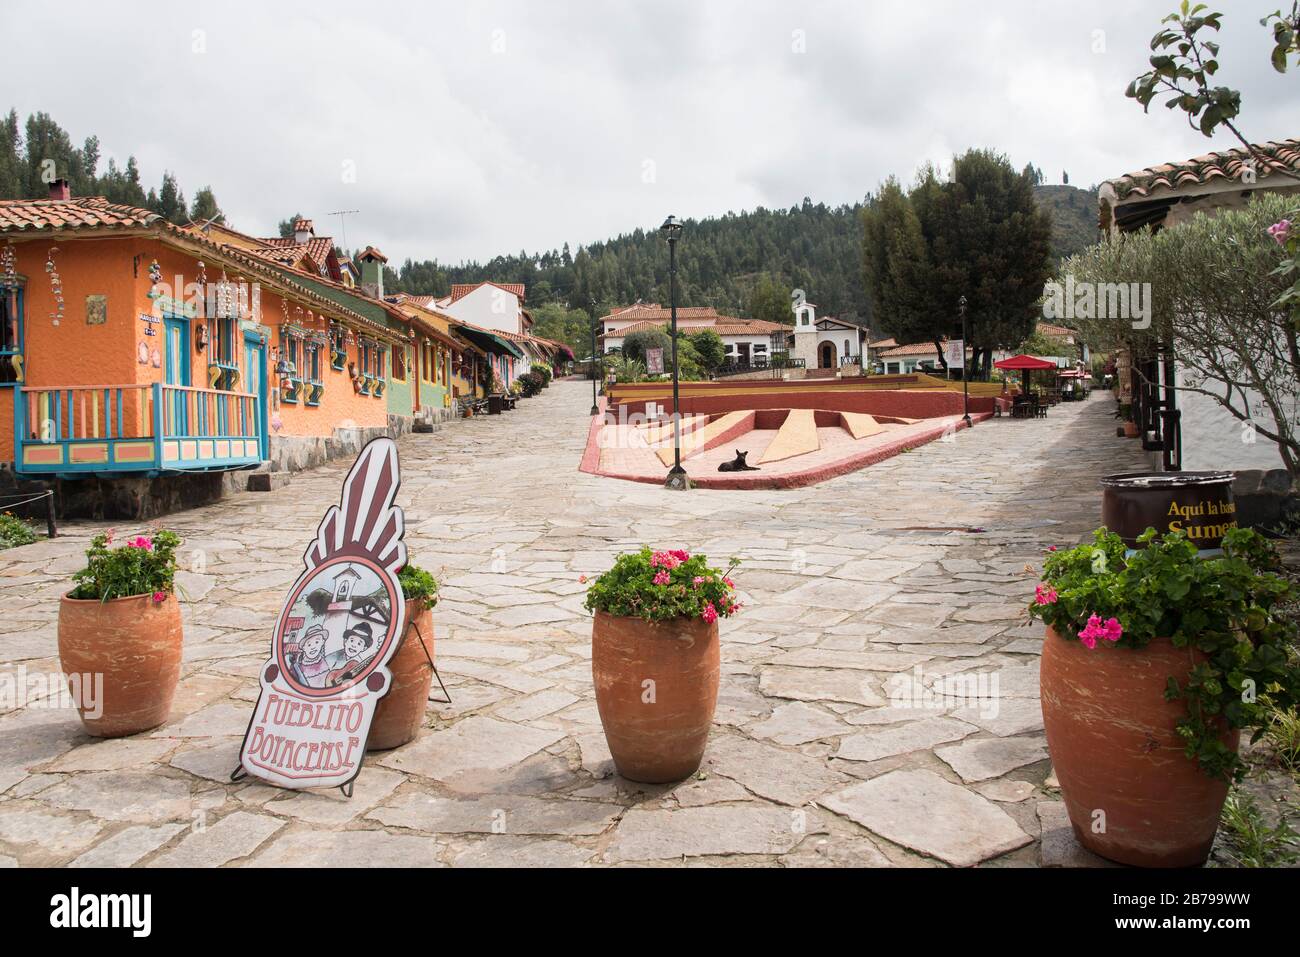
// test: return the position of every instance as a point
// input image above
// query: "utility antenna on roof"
(343, 215)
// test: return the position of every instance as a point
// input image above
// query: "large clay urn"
(1116, 751)
(131, 645)
(656, 689)
(401, 712)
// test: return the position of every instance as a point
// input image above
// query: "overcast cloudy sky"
(462, 130)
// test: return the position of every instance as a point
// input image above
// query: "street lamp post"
(672, 229)
(595, 407)
(965, 366)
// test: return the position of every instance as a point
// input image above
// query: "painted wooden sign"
(340, 626)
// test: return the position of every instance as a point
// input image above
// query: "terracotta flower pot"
(135, 645)
(656, 689)
(401, 712)
(1114, 746)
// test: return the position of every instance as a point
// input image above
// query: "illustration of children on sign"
(343, 608)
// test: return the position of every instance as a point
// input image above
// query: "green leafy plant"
(1229, 607)
(1283, 736)
(660, 586)
(418, 584)
(144, 565)
(1250, 840)
(14, 531)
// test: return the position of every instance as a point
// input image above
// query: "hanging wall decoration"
(155, 278)
(56, 286)
(9, 266)
(339, 627)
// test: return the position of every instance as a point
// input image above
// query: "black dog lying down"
(737, 464)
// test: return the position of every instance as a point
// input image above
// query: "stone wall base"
(141, 498)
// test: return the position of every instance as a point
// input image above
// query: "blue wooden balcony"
(148, 429)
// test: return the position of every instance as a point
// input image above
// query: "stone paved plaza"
(918, 562)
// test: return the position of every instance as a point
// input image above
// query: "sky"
(463, 130)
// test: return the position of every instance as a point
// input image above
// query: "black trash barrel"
(1197, 503)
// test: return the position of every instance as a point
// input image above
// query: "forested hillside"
(722, 261)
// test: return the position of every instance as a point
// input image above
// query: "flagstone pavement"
(904, 572)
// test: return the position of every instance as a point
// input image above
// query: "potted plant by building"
(401, 712)
(654, 659)
(1154, 662)
(120, 634)
(1124, 412)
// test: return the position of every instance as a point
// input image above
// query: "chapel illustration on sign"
(340, 626)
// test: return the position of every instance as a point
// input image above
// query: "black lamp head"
(671, 228)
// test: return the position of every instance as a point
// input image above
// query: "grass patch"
(1250, 841)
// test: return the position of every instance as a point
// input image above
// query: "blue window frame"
(11, 337)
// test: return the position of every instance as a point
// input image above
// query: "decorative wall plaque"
(340, 625)
(96, 310)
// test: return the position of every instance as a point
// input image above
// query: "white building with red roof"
(747, 341)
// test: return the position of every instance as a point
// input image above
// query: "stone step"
(266, 481)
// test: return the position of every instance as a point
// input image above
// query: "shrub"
(14, 531)
(145, 565)
(660, 586)
(709, 348)
(636, 344)
(1231, 608)
(418, 584)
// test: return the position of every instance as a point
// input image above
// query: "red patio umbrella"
(1024, 364)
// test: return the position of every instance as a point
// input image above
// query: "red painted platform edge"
(591, 454)
(793, 479)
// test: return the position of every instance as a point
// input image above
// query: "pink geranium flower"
(668, 560)
(710, 614)
(141, 541)
(697, 581)
(159, 597)
(1044, 595)
(1109, 630)
(1280, 231)
(582, 579)
(662, 578)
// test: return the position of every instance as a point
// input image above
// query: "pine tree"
(204, 208)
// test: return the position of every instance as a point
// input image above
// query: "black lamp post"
(965, 366)
(595, 407)
(672, 230)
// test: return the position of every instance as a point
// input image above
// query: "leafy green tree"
(1215, 295)
(637, 344)
(708, 345)
(980, 235)
(899, 276)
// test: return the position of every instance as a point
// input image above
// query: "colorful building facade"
(134, 347)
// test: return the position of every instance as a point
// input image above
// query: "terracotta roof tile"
(653, 311)
(911, 349)
(724, 327)
(1055, 331)
(460, 290)
(1225, 165)
(90, 212)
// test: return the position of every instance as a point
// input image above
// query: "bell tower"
(805, 333)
